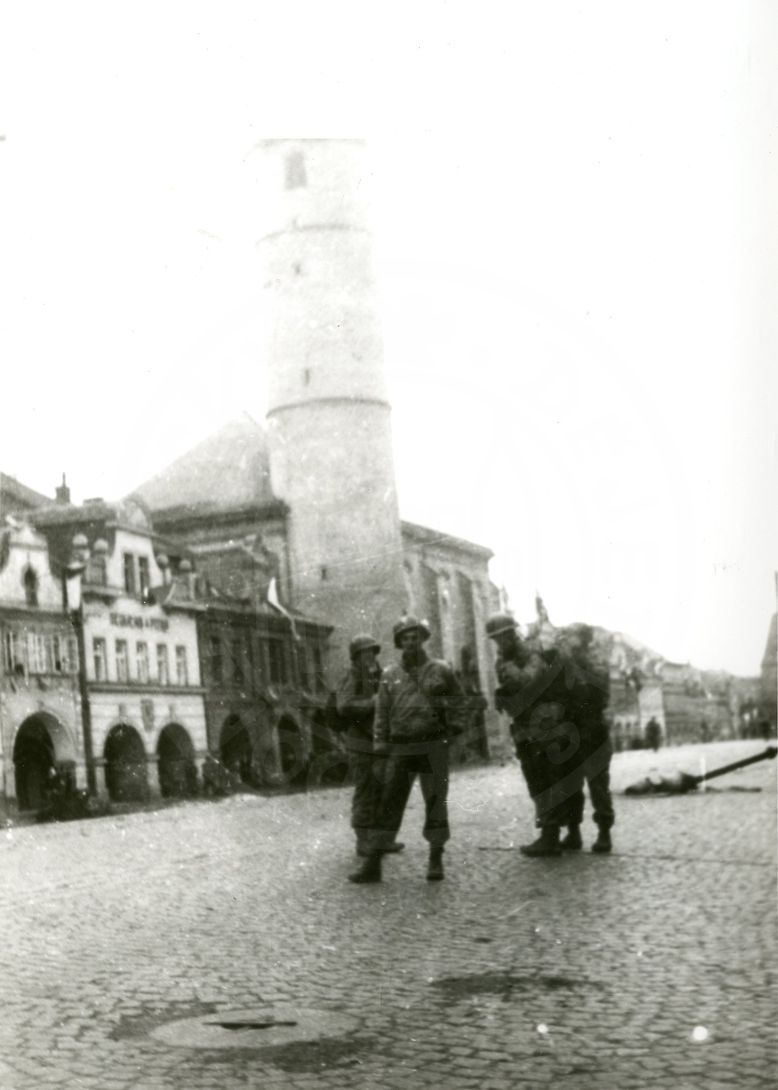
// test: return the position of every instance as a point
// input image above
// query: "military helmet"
(363, 642)
(407, 624)
(500, 622)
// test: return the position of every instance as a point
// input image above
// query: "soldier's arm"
(457, 719)
(348, 703)
(381, 719)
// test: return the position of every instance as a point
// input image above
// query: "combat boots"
(435, 865)
(603, 841)
(370, 871)
(398, 846)
(546, 844)
(572, 842)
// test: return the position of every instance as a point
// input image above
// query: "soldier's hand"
(511, 674)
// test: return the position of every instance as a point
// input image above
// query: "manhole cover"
(254, 1027)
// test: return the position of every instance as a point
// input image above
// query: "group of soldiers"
(399, 722)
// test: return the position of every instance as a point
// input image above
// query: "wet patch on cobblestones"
(255, 1028)
(505, 985)
(305, 1057)
(135, 1026)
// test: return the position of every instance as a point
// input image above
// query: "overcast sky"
(576, 222)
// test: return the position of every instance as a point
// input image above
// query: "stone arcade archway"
(41, 748)
(291, 751)
(125, 765)
(235, 749)
(176, 763)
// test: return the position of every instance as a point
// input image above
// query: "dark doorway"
(235, 750)
(176, 763)
(125, 765)
(34, 765)
(291, 751)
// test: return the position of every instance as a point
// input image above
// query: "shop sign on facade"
(129, 620)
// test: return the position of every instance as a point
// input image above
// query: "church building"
(306, 503)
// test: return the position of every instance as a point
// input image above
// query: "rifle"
(682, 782)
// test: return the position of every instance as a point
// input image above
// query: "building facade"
(144, 704)
(40, 709)
(266, 697)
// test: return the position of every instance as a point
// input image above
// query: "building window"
(143, 575)
(318, 666)
(295, 170)
(122, 661)
(100, 659)
(142, 661)
(163, 675)
(69, 650)
(182, 673)
(302, 667)
(129, 573)
(30, 587)
(277, 661)
(52, 654)
(237, 662)
(216, 660)
(12, 649)
(96, 571)
(37, 644)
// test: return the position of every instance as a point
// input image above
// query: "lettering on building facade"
(128, 620)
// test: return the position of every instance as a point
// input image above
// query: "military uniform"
(418, 710)
(534, 689)
(355, 701)
(590, 693)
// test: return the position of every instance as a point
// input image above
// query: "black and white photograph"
(388, 545)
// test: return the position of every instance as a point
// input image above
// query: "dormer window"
(295, 170)
(30, 580)
(129, 573)
(143, 575)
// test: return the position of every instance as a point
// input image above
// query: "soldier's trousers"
(367, 790)
(429, 762)
(555, 789)
(596, 771)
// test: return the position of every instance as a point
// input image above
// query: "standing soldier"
(589, 683)
(531, 689)
(420, 707)
(355, 703)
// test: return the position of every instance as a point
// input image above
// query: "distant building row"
(125, 670)
(122, 669)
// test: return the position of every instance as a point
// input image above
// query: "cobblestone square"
(652, 967)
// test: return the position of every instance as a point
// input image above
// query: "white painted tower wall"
(328, 415)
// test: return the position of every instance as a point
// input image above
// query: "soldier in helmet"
(420, 707)
(531, 689)
(588, 685)
(355, 702)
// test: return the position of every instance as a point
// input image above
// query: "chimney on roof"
(63, 492)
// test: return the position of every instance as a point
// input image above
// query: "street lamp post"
(74, 574)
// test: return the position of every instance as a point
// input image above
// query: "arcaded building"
(144, 708)
(40, 709)
(306, 502)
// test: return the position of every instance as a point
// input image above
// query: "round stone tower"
(328, 413)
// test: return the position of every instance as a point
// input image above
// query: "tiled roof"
(228, 470)
(13, 492)
(426, 536)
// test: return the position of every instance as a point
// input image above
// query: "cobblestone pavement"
(652, 967)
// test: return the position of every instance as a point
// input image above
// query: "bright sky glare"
(576, 218)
